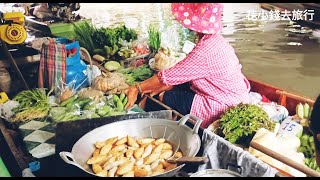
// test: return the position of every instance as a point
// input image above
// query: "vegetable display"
(77, 108)
(308, 149)
(135, 75)
(103, 41)
(33, 104)
(241, 122)
(83, 33)
(130, 157)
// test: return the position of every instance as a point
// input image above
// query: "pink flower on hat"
(199, 17)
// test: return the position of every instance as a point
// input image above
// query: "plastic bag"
(165, 59)
(140, 46)
(6, 109)
(170, 38)
(64, 91)
(276, 112)
(93, 73)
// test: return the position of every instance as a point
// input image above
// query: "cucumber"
(70, 100)
(122, 96)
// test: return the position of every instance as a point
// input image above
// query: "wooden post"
(13, 63)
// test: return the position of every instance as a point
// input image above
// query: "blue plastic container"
(76, 69)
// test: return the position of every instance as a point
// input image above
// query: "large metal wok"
(189, 140)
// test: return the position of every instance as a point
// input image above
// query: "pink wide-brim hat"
(200, 17)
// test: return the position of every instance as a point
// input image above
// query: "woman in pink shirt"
(211, 71)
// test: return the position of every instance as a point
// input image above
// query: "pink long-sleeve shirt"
(214, 72)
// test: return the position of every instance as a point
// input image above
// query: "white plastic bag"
(93, 73)
(170, 38)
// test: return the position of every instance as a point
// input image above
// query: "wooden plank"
(17, 154)
(285, 160)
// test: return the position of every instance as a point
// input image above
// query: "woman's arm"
(151, 85)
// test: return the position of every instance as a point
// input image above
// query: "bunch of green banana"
(120, 101)
(126, 52)
(308, 149)
(311, 163)
(303, 112)
(111, 51)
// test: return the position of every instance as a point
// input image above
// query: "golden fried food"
(131, 157)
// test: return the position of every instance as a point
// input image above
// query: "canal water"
(280, 53)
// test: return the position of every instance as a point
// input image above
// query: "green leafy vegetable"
(33, 104)
(240, 123)
(135, 75)
(83, 34)
(154, 41)
(103, 41)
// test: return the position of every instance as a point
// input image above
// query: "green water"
(3, 170)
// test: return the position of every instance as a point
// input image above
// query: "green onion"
(154, 41)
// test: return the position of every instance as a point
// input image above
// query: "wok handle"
(185, 118)
(194, 160)
(66, 155)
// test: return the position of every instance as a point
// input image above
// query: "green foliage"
(243, 121)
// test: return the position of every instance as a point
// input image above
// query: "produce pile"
(135, 75)
(104, 97)
(130, 157)
(82, 107)
(109, 44)
(240, 123)
(33, 104)
(308, 149)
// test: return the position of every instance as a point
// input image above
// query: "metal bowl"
(83, 149)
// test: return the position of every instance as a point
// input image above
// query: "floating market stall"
(87, 107)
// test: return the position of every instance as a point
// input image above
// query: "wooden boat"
(284, 98)
(281, 96)
(287, 99)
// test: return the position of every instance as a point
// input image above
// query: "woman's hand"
(132, 94)
(158, 90)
